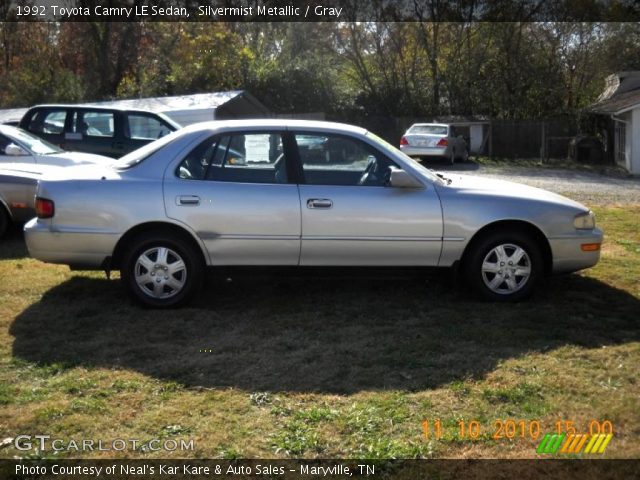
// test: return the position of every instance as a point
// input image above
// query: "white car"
(20, 147)
(434, 140)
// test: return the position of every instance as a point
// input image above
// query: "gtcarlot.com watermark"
(46, 443)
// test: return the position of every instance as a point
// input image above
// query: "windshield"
(134, 158)
(387, 146)
(36, 145)
(428, 129)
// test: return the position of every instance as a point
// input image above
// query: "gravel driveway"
(586, 187)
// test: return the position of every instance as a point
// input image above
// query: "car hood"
(73, 158)
(482, 186)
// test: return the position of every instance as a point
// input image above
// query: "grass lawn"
(342, 367)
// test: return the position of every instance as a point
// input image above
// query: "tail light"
(442, 143)
(404, 141)
(44, 207)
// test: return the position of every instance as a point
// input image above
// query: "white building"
(199, 107)
(620, 102)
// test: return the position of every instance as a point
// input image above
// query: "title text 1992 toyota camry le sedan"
(297, 193)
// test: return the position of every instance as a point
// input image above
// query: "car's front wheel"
(504, 266)
(162, 270)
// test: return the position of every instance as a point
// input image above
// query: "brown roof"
(618, 103)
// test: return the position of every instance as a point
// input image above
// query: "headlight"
(585, 221)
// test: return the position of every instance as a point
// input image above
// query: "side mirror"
(401, 179)
(14, 150)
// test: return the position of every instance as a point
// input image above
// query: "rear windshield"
(429, 129)
(139, 155)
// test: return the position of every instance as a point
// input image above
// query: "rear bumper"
(78, 249)
(568, 255)
(424, 151)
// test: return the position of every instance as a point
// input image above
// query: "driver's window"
(339, 160)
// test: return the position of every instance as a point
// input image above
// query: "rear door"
(235, 191)
(350, 216)
(95, 131)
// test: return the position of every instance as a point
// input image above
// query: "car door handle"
(319, 203)
(188, 200)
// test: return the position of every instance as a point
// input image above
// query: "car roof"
(8, 129)
(91, 107)
(271, 123)
(429, 125)
(13, 131)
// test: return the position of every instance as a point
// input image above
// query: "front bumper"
(78, 249)
(568, 255)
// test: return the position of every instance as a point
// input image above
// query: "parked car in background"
(166, 211)
(425, 140)
(24, 158)
(18, 146)
(109, 131)
(18, 184)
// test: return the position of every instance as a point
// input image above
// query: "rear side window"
(145, 127)
(242, 158)
(94, 124)
(48, 121)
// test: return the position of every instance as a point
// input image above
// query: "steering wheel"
(371, 166)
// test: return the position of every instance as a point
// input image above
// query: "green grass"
(334, 367)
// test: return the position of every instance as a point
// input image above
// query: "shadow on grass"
(333, 335)
(12, 244)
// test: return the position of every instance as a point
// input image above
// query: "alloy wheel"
(160, 272)
(506, 269)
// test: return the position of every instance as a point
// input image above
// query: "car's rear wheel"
(162, 270)
(504, 266)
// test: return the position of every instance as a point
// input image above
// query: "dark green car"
(108, 131)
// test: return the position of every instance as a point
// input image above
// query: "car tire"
(162, 269)
(493, 277)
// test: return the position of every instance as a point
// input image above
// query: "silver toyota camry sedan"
(303, 194)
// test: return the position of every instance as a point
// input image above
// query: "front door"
(350, 214)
